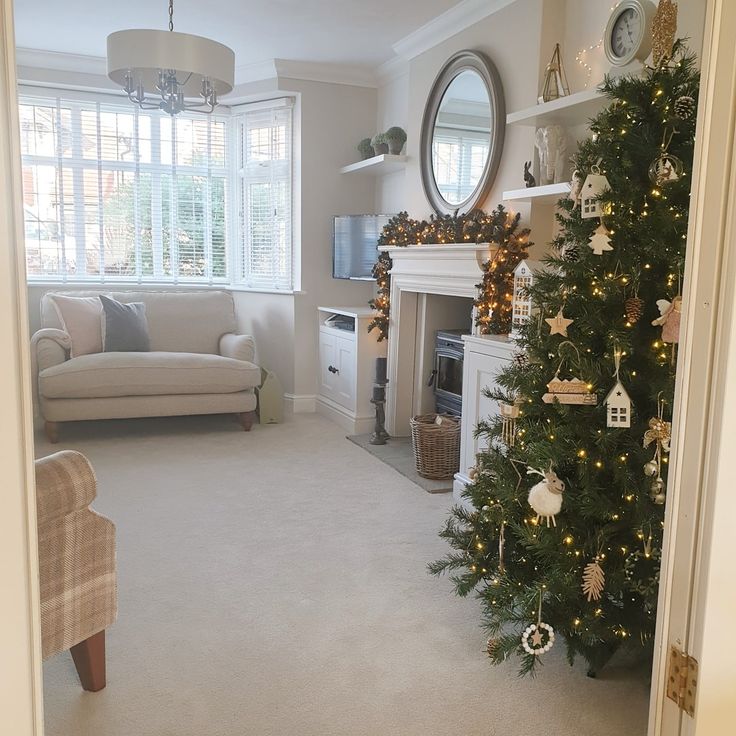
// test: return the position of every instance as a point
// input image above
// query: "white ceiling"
(355, 32)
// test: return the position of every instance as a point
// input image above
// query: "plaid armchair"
(77, 565)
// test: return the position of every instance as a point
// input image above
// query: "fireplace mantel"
(452, 269)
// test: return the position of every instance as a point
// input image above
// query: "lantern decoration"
(594, 186)
(555, 79)
(509, 414)
(521, 310)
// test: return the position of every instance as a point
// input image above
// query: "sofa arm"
(65, 483)
(50, 347)
(76, 555)
(240, 347)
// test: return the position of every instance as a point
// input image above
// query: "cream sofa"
(197, 364)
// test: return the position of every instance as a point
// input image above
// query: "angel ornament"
(669, 319)
(546, 496)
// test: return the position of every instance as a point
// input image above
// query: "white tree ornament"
(594, 186)
(546, 496)
(618, 402)
(600, 240)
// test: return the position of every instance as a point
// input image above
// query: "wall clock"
(629, 32)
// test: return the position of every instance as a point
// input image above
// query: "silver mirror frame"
(463, 61)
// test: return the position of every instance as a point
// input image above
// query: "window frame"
(236, 219)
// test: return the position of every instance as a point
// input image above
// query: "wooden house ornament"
(521, 308)
(618, 407)
(594, 186)
(569, 391)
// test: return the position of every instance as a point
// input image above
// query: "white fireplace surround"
(418, 270)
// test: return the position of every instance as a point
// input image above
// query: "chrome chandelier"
(170, 71)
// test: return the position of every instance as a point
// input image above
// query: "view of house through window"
(112, 193)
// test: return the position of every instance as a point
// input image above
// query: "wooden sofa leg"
(52, 432)
(89, 659)
(246, 420)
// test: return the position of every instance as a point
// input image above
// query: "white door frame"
(21, 702)
(702, 497)
(697, 476)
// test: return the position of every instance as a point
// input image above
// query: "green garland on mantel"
(500, 227)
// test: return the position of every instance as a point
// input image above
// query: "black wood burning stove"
(447, 374)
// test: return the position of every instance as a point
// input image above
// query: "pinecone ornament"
(492, 646)
(634, 307)
(685, 107)
(571, 252)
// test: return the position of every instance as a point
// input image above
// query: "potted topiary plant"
(379, 144)
(365, 148)
(395, 138)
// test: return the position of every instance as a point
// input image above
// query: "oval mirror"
(462, 133)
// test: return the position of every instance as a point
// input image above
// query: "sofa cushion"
(178, 321)
(124, 326)
(79, 317)
(106, 375)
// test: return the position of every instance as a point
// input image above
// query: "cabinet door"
(327, 365)
(480, 373)
(346, 376)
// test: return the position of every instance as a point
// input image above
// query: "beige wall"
(519, 39)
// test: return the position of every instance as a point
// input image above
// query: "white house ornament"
(618, 402)
(594, 186)
(521, 306)
(545, 497)
(666, 169)
(669, 319)
(558, 324)
(600, 240)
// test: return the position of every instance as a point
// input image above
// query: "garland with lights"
(581, 547)
(500, 228)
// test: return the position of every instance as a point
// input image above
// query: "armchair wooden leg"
(89, 659)
(52, 432)
(246, 420)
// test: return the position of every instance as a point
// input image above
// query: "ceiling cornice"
(392, 69)
(312, 71)
(452, 21)
(57, 60)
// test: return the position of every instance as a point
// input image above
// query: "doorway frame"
(689, 613)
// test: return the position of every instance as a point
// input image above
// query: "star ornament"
(536, 638)
(600, 241)
(558, 324)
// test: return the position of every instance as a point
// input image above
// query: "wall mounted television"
(354, 245)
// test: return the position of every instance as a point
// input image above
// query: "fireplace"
(447, 374)
(432, 289)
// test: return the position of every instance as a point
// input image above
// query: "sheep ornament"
(546, 496)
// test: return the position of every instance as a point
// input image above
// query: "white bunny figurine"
(546, 496)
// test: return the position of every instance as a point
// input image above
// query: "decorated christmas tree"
(563, 533)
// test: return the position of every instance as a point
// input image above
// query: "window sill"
(151, 286)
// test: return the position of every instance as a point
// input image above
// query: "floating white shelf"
(386, 163)
(568, 111)
(548, 194)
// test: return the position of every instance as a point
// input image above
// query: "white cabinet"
(485, 356)
(347, 366)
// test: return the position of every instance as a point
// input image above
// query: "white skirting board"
(300, 403)
(346, 419)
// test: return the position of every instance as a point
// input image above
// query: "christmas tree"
(566, 527)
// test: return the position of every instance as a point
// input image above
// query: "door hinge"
(682, 679)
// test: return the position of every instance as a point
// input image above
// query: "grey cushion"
(104, 375)
(125, 328)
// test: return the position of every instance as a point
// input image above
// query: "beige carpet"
(273, 583)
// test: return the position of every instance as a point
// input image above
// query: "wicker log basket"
(436, 445)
